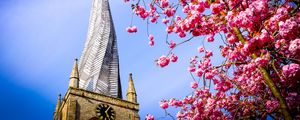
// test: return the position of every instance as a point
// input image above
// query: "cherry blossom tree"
(261, 50)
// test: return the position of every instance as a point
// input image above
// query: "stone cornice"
(99, 97)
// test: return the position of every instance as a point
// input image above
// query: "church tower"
(95, 91)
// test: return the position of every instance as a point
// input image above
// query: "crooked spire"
(74, 77)
(131, 93)
(99, 62)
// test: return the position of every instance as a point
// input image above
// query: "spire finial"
(131, 93)
(74, 77)
(58, 103)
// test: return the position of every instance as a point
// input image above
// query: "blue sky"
(40, 39)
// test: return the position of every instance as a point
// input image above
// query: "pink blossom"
(295, 46)
(196, 32)
(192, 69)
(149, 117)
(169, 29)
(151, 43)
(216, 7)
(289, 28)
(172, 44)
(180, 115)
(193, 60)
(291, 70)
(209, 75)
(264, 37)
(174, 102)
(169, 12)
(210, 38)
(205, 63)
(164, 3)
(186, 9)
(151, 40)
(163, 61)
(194, 85)
(279, 43)
(151, 37)
(165, 21)
(141, 11)
(271, 105)
(199, 72)
(200, 49)
(132, 29)
(188, 100)
(174, 58)
(294, 94)
(223, 85)
(152, 10)
(208, 54)
(181, 34)
(178, 103)
(261, 61)
(231, 38)
(164, 104)
(178, 18)
(154, 19)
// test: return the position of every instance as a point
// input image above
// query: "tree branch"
(268, 80)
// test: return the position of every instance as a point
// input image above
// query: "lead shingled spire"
(99, 62)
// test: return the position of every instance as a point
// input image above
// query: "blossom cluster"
(261, 50)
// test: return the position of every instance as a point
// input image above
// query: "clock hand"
(107, 109)
(106, 112)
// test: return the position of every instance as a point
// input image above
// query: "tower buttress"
(131, 93)
(74, 78)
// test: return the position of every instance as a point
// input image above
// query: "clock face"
(105, 112)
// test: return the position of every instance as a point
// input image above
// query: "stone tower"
(94, 87)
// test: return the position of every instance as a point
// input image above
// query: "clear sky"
(40, 39)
